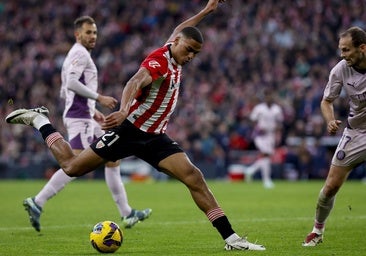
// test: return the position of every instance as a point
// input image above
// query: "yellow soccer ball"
(106, 237)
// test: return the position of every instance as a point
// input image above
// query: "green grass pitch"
(279, 218)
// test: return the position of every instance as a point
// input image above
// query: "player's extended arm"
(77, 87)
(134, 85)
(327, 109)
(194, 20)
(141, 79)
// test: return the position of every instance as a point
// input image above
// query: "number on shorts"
(344, 141)
(112, 136)
(86, 127)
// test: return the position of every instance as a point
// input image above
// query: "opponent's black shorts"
(127, 140)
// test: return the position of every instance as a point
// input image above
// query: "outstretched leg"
(72, 164)
(179, 166)
(335, 179)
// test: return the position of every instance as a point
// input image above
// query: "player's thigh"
(265, 144)
(113, 164)
(85, 162)
(336, 177)
(98, 132)
(351, 149)
(77, 151)
(178, 165)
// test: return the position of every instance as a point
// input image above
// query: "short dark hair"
(357, 34)
(78, 23)
(194, 33)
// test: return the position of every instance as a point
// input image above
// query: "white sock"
(57, 182)
(251, 170)
(318, 231)
(115, 185)
(266, 169)
(232, 238)
(39, 121)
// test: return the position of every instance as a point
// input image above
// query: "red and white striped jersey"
(154, 104)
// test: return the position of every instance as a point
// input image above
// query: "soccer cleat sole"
(16, 113)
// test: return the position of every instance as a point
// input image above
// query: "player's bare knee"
(330, 190)
(71, 172)
(67, 172)
(195, 178)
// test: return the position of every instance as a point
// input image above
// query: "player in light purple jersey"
(82, 120)
(350, 75)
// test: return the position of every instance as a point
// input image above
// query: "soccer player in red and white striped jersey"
(138, 128)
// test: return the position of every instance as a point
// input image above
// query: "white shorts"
(351, 149)
(265, 143)
(82, 132)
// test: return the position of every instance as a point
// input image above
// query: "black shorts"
(127, 140)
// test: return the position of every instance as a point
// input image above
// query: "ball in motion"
(106, 237)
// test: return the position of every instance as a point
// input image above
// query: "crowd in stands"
(251, 45)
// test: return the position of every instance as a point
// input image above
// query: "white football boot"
(26, 116)
(243, 244)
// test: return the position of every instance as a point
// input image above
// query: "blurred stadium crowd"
(286, 45)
